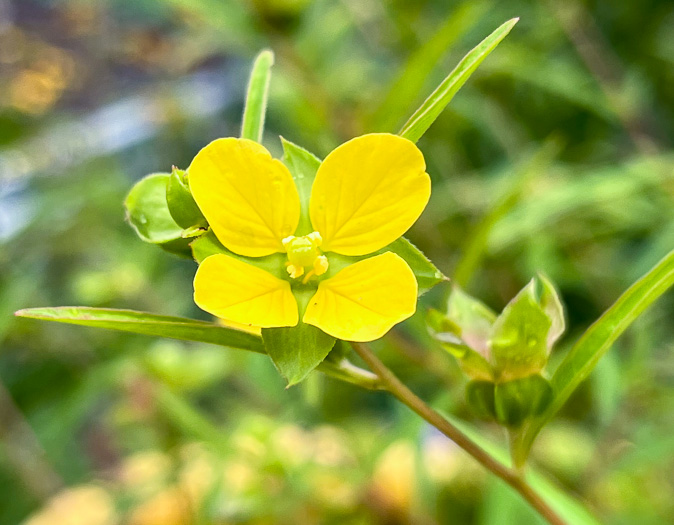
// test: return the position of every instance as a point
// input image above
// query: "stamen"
(320, 265)
(293, 270)
(303, 252)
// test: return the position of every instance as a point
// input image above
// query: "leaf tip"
(292, 382)
(266, 54)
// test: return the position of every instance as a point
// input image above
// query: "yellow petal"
(364, 300)
(248, 198)
(236, 291)
(368, 192)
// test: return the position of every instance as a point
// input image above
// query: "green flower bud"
(147, 212)
(517, 400)
(514, 345)
(181, 204)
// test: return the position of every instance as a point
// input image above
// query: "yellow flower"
(366, 194)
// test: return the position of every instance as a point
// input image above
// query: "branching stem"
(511, 476)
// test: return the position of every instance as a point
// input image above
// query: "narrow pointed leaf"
(148, 324)
(256, 98)
(421, 63)
(185, 329)
(423, 117)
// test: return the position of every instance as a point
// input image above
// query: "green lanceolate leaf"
(254, 113)
(148, 324)
(147, 211)
(519, 336)
(409, 84)
(181, 204)
(598, 338)
(303, 166)
(297, 350)
(423, 117)
(187, 330)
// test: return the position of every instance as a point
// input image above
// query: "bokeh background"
(556, 156)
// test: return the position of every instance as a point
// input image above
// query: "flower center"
(303, 253)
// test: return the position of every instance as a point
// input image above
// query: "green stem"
(511, 476)
(344, 370)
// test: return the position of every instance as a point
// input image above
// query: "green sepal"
(517, 400)
(424, 270)
(339, 352)
(303, 166)
(297, 350)
(473, 318)
(147, 212)
(519, 336)
(181, 204)
(552, 306)
(208, 244)
(179, 247)
(447, 333)
(480, 398)
(194, 231)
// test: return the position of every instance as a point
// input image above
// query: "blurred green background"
(556, 156)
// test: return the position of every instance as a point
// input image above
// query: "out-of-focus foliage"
(555, 156)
